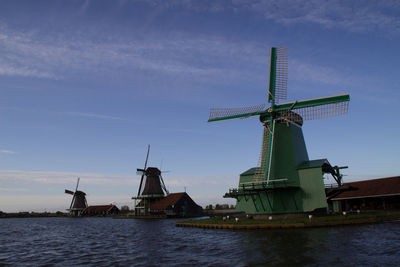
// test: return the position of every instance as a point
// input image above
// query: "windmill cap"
(152, 171)
(80, 193)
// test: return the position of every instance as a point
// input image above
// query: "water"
(130, 242)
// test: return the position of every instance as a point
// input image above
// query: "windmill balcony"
(246, 188)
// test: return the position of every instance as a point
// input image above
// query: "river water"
(133, 242)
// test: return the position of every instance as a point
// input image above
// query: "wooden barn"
(369, 195)
(176, 205)
(100, 210)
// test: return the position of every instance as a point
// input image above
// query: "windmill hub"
(285, 180)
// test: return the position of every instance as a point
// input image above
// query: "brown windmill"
(78, 203)
(154, 188)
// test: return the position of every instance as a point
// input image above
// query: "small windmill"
(284, 180)
(153, 190)
(78, 203)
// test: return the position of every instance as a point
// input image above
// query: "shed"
(176, 205)
(375, 194)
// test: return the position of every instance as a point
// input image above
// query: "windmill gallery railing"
(245, 188)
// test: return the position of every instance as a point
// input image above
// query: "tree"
(125, 208)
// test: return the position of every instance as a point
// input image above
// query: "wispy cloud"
(5, 151)
(178, 55)
(43, 177)
(315, 73)
(65, 178)
(6, 189)
(93, 115)
(354, 16)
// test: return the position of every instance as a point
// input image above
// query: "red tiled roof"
(371, 188)
(171, 199)
(99, 208)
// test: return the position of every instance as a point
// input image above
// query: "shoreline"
(317, 221)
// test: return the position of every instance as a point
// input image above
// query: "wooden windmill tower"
(285, 180)
(78, 203)
(154, 188)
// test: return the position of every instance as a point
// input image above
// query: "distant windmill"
(78, 203)
(154, 187)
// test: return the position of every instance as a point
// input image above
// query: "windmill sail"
(317, 108)
(143, 170)
(68, 192)
(217, 114)
(262, 162)
(278, 75)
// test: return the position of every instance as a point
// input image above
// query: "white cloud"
(5, 151)
(65, 178)
(93, 115)
(320, 74)
(348, 15)
(177, 54)
(354, 16)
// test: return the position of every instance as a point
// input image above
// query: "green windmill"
(285, 180)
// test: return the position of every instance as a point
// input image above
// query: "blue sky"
(86, 85)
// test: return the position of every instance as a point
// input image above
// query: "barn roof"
(170, 199)
(99, 208)
(371, 188)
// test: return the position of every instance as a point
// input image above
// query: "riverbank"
(32, 214)
(244, 222)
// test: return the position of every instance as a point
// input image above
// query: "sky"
(85, 86)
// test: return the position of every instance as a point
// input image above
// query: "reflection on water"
(110, 242)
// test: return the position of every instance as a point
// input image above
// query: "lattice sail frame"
(281, 74)
(316, 112)
(262, 161)
(216, 113)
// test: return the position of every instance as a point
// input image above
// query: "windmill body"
(285, 180)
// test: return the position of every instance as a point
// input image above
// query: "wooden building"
(176, 205)
(368, 195)
(100, 210)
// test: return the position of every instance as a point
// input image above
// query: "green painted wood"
(272, 77)
(313, 102)
(244, 115)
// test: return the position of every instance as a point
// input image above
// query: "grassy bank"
(315, 221)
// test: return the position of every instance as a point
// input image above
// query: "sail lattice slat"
(281, 76)
(216, 113)
(262, 161)
(317, 112)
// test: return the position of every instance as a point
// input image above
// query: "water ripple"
(121, 242)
